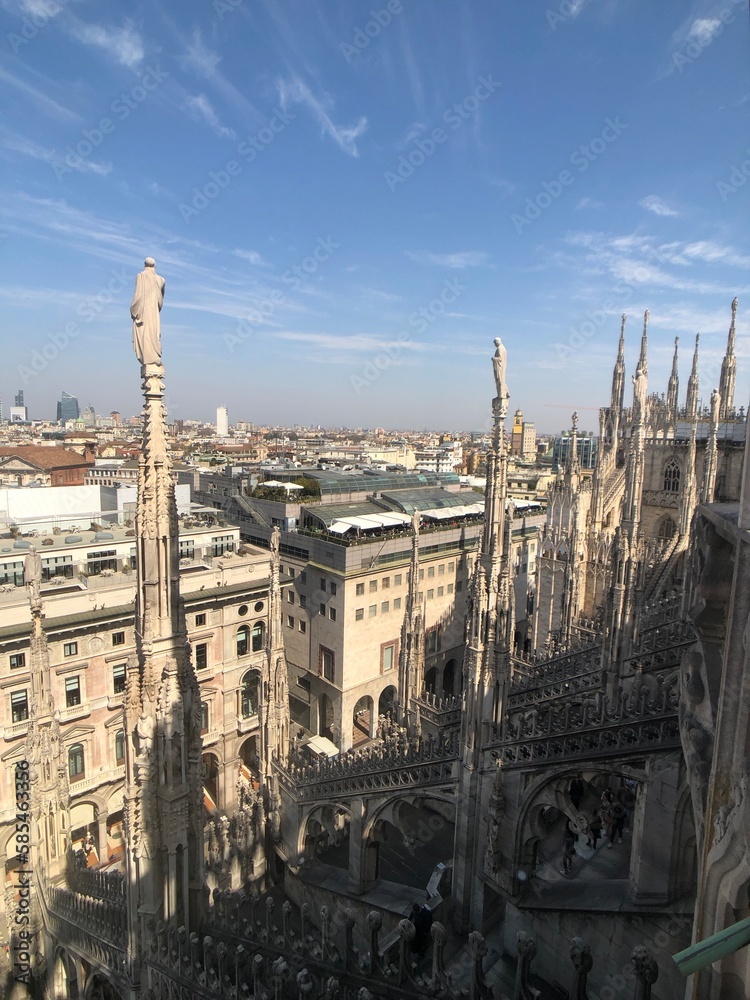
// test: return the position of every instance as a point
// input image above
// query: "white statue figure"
(32, 574)
(145, 308)
(499, 364)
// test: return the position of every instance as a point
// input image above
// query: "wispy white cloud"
(252, 256)
(199, 57)
(654, 204)
(353, 342)
(703, 29)
(295, 91)
(125, 44)
(200, 108)
(589, 203)
(38, 97)
(468, 258)
(27, 147)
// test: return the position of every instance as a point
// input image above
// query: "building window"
(258, 607)
(672, 478)
(289, 621)
(290, 596)
(359, 614)
(118, 678)
(118, 638)
(430, 572)
(302, 601)
(303, 576)
(242, 610)
(323, 610)
(120, 746)
(430, 594)
(19, 706)
(187, 548)
(250, 694)
(17, 660)
(333, 588)
(421, 575)
(302, 626)
(201, 656)
(373, 586)
(441, 569)
(372, 611)
(384, 608)
(76, 769)
(243, 637)
(70, 649)
(459, 586)
(360, 589)
(396, 603)
(259, 636)
(441, 591)
(72, 691)
(200, 621)
(451, 567)
(388, 657)
(98, 561)
(221, 544)
(332, 614)
(322, 583)
(449, 588)
(326, 663)
(385, 582)
(204, 717)
(397, 580)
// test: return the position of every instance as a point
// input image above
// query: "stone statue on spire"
(32, 574)
(499, 365)
(145, 308)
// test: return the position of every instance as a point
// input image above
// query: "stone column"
(102, 836)
(363, 856)
(651, 850)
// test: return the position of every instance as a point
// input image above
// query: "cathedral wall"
(612, 938)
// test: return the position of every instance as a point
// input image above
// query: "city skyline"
(469, 182)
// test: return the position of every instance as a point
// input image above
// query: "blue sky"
(348, 208)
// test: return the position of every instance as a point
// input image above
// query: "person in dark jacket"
(421, 917)
(595, 829)
(577, 791)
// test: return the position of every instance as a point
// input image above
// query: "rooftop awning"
(449, 513)
(366, 522)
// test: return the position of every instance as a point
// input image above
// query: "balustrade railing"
(398, 760)
(245, 951)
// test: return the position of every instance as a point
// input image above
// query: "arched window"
(672, 478)
(259, 636)
(120, 746)
(243, 640)
(249, 694)
(667, 528)
(75, 762)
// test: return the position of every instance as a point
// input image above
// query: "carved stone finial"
(646, 971)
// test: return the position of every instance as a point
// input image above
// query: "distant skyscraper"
(67, 408)
(222, 422)
(19, 413)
